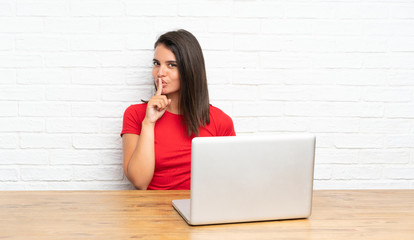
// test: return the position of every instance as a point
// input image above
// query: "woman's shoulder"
(217, 112)
(136, 109)
(133, 116)
(222, 122)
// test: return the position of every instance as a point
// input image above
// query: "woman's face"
(165, 67)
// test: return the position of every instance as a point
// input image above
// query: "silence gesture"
(157, 105)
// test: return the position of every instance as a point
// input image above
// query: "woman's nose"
(161, 71)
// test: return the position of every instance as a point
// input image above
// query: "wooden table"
(339, 214)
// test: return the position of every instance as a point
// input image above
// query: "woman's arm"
(139, 156)
(139, 159)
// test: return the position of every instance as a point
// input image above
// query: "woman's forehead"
(162, 53)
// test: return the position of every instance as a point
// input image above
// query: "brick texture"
(342, 70)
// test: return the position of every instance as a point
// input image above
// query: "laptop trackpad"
(183, 208)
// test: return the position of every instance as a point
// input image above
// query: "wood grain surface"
(337, 214)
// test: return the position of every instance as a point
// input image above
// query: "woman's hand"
(157, 105)
(139, 155)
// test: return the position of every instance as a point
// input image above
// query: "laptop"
(249, 178)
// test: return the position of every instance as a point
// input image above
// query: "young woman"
(156, 135)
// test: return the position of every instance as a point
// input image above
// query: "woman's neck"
(174, 106)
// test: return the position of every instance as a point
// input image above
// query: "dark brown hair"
(194, 103)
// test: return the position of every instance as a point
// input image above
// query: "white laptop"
(249, 178)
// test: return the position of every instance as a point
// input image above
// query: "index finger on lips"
(159, 87)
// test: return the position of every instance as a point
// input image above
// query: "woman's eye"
(172, 65)
(155, 63)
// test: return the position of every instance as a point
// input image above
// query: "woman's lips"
(164, 83)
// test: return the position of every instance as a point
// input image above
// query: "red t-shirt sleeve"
(224, 123)
(133, 117)
(226, 126)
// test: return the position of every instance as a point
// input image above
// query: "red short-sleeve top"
(172, 145)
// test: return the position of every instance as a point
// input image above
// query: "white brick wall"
(342, 70)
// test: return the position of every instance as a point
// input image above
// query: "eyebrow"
(156, 60)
